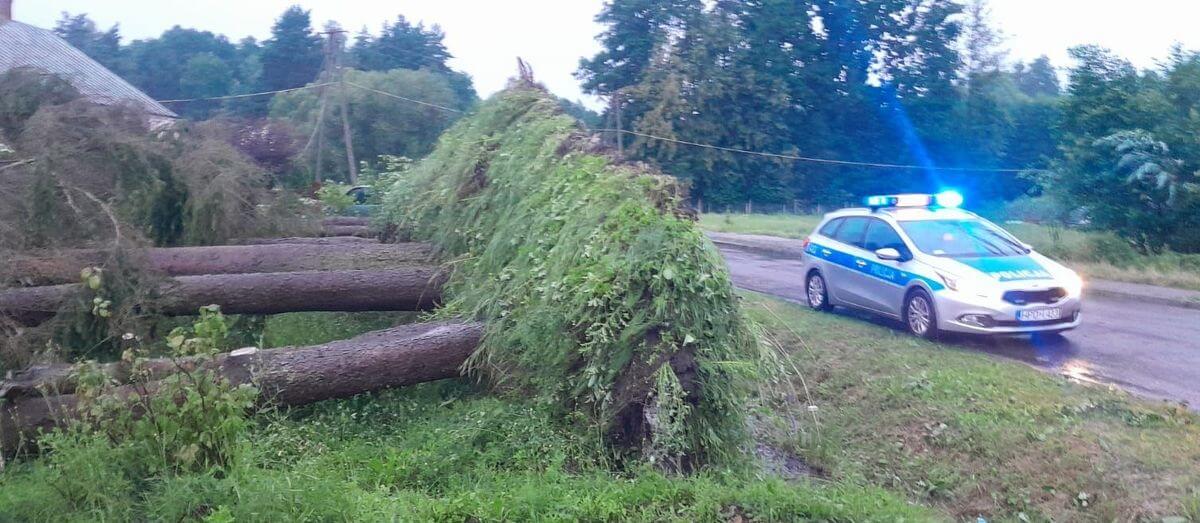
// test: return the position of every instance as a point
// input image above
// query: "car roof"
(905, 213)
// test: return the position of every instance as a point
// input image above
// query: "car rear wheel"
(920, 318)
(817, 292)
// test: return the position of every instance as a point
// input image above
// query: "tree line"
(285, 133)
(186, 63)
(920, 83)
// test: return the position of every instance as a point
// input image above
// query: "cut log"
(346, 220)
(361, 231)
(64, 266)
(330, 240)
(292, 376)
(402, 289)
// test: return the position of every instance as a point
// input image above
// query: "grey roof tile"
(23, 45)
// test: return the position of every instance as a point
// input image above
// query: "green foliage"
(435, 452)
(26, 91)
(292, 56)
(403, 45)
(314, 328)
(821, 78)
(83, 34)
(588, 276)
(1129, 155)
(99, 175)
(976, 436)
(381, 125)
(189, 421)
(333, 196)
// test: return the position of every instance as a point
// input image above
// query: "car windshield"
(961, 238)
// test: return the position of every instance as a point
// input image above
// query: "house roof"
(23, 45)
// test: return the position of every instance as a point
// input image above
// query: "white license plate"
(1039, 314)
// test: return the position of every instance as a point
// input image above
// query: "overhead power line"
(814, 160)
(316, 86)
(249, 95)
(398, 97)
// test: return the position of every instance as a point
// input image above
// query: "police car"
(920, 259)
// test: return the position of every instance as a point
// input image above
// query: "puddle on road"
(1052, 354)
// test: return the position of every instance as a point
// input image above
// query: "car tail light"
(804, 244)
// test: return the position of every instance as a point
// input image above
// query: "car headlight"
(1073, 283)
(950, 280)
(964, 285)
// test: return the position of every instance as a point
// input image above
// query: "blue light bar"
(899, 200)
(949, 199)
(880, 201)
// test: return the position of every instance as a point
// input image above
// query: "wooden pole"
(620, 133)
(347, 135)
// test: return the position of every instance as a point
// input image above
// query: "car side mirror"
(888, 253)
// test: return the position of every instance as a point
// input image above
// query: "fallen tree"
(401, 289)
(361, 231)
(327, 240)
(600, 292)
(65, 266)
(289, 376)
(346, 220)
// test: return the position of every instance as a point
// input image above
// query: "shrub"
(334, 197)
(189, 421)
(1041, 209)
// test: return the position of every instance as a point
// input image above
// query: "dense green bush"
(601, 296)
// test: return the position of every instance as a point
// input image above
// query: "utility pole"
(332, 68)
(318, 134)
(335, 38)
(620, 130)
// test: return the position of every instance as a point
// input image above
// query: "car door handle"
(826, 252)
(860, 263)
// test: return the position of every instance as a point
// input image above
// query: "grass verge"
(899, 423)
(444, 451)
(1093, 254)
(975, 436)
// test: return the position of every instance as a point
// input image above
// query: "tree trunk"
(346, 220)
(401, 289)
(361, 231)
(64, 267)
(331, 240)
(291, 376)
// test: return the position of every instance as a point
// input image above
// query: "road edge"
(780, 246)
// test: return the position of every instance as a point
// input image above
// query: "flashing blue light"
(949, 199)
(880, 201)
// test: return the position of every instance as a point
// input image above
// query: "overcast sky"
(486, 36)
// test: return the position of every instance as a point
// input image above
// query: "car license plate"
(1039, 314)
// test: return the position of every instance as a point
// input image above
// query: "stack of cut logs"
(345, 270)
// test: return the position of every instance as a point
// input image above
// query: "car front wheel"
(817, 292)
(920, 318)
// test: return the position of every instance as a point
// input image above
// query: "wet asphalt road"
(1149, 349)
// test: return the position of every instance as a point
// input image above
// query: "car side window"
(880, 235)
(851, 232)
(831, 228)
